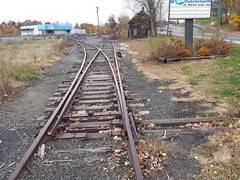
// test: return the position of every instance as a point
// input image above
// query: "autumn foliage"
(185, 53)
(204, 51)
(13, 28)
(235, 20)
(215, 46)
(171, 48)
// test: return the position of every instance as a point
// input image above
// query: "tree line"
(113, 26)
(13, 28)
(231, 13)
(117, 27)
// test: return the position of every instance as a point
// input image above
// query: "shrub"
(204, 51)
(216, 46)
(169, 49)
(225, 48)
(62, 47)
(198, 43)
(185, 53)
(5, 83)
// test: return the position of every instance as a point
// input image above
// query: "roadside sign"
(190, 9)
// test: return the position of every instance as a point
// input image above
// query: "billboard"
(190, 9)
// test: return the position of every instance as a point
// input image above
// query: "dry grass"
(215, 81)
(25, 60)
(220, 156)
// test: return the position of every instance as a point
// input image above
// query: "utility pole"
(168, 23)
(219, 15)
(160, 18)
(98, 21)
(189, 34)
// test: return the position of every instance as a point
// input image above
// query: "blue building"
(55, 29)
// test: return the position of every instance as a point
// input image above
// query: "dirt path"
(18, 124)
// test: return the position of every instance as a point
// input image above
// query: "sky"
(72, 11)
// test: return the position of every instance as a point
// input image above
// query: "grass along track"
(25, 60)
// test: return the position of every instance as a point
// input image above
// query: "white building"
(30, 30)
(46, 29)
(78, 31)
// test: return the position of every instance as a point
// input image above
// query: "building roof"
(55, 27)
(29, 27)
(141, 16)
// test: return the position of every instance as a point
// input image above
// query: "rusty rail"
(66, 103)
(124, 111)
(56, 116)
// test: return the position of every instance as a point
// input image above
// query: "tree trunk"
(226, 18)
(153, 27)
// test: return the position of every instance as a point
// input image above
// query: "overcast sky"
(72, 11)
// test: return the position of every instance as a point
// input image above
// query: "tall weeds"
(5, 82)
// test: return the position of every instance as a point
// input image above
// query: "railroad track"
(90, 104)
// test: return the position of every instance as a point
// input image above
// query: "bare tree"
(152, 7)
(123, 25)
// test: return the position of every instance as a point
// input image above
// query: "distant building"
(140, 25)
(46, 29)
(30, 30)
(78, 31)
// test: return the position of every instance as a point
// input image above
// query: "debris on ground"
(151, 155)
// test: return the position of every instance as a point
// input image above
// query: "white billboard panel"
(190, 9)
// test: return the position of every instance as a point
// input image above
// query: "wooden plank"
(104, 107)
(67, 85)
(90, 136)
(96, 97)
(78, 125)
(97, 92)
(72, 136)
(99, 76)
(91, 119)
(55, 99)
(108, 107)
(107, 113)
(184, 131)
(99, 84)
(97, 101)
(97, 88)
(166, 60)
(85, 150)
(87, 130)
(180, 121)
(98, 79)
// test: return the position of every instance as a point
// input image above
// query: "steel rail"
(132, 147)
(119, 87)
(73, 94)
(54, 117)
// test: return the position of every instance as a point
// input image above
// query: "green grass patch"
(221, 76)
(185, 70)
(195, 80)
(22, 72)
(227, 78)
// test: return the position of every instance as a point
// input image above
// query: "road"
(200, 33)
